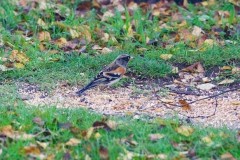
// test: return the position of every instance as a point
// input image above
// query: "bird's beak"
(131, 58)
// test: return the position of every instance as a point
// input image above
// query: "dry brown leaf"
(107, 15)
(32, 150)
(41, 23)
(106, 50)
(227, 156)
(73, 142)
(74, 33)
(236, 70)
(89, 132)
(167, 100)
(185, 130)
(226, 81)
(236, 103)
(197, 31)
(226, 68)
(44, 36)
(103, 153)
(61, 42)
(19, 57)
(184, 104)
(9, 132)
(207, 140)
(43, 144)
(112, 124)
(105, 37)
(96, 47)
(196, 67)
(166, 56)
(206, 86)
(155, 137)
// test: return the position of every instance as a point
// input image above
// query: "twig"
(215, 95)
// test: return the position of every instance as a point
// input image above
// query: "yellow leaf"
(18, 65)
(19, 57)
(207, 140)
(166, 56)
(61, 42)
(185, 130)
(226, 68)
(73, 142)
(97, 135)
(41, 23)
(73, 33)
(44, 36)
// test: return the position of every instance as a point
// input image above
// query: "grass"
(21, 117)
(19, 30)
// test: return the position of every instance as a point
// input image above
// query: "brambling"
(109, 74)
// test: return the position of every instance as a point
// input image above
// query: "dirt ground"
(142, 99)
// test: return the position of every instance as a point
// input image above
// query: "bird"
(109, 74)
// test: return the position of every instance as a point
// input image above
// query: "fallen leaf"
(42, 144)
(61, 42)
(112, 124)
(73, 142)
(196, 67)
(206, 86)
(74, 33)
(236, 103)
(44, 36)
(103, 153)
(197, 31)
(38, 121)
(207, 140)
(236, 70)
(227, 156)
(155, 137)
(226, 68)
(226, 81)
(185, 130)
(32, 150)
(89, 132)
(166, 56)
(41, 23)
(107, 15)
(184, 104)
(10, 133)
(96, 47)
(19, 57)
(18, 65)
(97, 135)
(167, 100)
(106, 50)
(100, 124)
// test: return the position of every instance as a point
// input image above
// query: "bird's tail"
(90, 85)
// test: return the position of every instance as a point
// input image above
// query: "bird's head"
(123, 59)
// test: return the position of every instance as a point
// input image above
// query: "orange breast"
(120, 70)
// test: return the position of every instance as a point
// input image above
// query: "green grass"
(47, 69)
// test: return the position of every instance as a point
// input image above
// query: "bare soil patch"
(143, 99)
